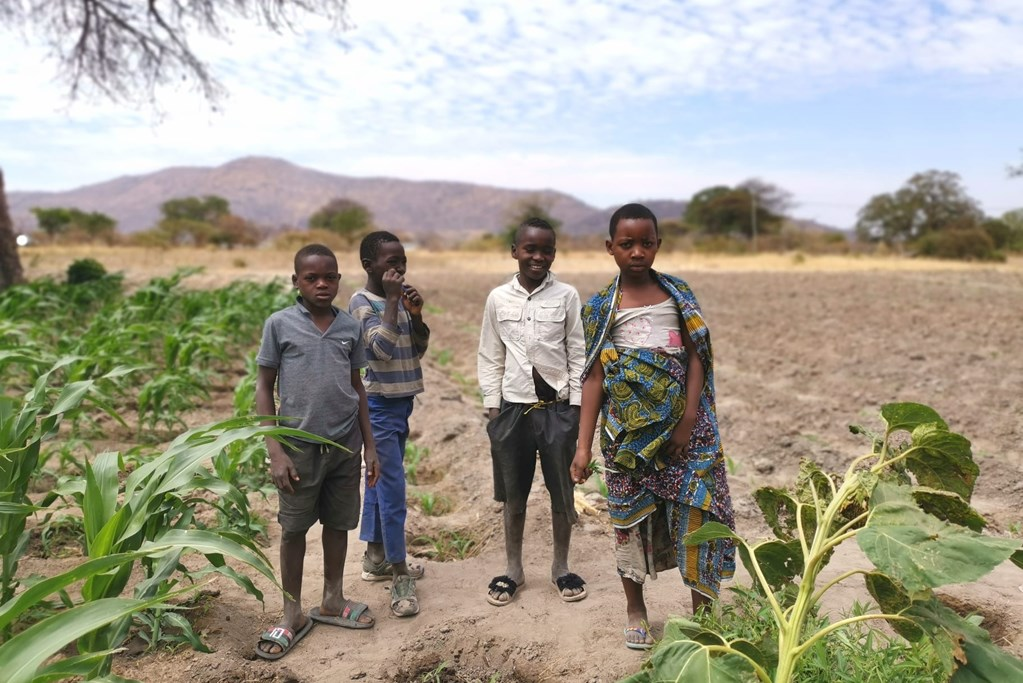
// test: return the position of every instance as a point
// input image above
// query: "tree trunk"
(10, 264)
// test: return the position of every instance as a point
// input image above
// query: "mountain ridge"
(278, 193)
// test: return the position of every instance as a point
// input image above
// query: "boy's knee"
(292, 534)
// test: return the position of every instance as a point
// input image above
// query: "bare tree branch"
(126, 49)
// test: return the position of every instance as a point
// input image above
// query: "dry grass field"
(803, 345)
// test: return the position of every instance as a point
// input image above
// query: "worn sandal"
(570, 581)
(283, 637)
(643, 633)
(502, 584)
(404, 601)
(349, 617)
(382, 571)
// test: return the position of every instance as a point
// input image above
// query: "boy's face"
(634, 245)
(534, 250)
(390, 256)
(317, 281)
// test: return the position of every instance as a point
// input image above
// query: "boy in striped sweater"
(390, 312)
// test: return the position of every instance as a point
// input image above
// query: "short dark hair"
(631, 211)
(534, 223)
(370, 246)
(312, 250)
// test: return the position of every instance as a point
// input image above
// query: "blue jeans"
(384, 508)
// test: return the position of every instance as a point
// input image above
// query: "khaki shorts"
(328, 485)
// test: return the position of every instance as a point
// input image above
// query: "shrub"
(85, 270)
(965, 244)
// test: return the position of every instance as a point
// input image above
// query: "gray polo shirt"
(314, 369)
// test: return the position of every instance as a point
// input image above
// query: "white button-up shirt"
(523, 330)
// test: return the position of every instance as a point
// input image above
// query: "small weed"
(433, 505)
(444, 357)
(436, 675)
(1016, 528)
(413, 456)
(239, 263)
(432, 309)
(447, 546)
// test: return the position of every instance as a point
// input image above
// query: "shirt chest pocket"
(509, 322)
(550, 321)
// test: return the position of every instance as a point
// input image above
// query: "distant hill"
(276, 193)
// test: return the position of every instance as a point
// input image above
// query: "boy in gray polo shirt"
(313, 353)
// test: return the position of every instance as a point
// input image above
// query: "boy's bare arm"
(282, 469)
(369, 446)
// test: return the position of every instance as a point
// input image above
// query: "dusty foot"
(637, 632)
(500, 592)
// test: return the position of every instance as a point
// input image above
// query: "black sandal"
(502, 584)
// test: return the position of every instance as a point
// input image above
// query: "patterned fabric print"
(644, 400)
(656, 545)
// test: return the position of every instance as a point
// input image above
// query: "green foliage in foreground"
(907, 504)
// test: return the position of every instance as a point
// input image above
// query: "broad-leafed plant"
(907, 505)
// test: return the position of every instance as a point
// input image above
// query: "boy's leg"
(513, 450)
(557, 429)
(297, 512)
(389, 418)
(339, 512)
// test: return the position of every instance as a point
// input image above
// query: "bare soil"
(803, 348)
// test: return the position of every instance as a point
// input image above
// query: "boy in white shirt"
(530, 361)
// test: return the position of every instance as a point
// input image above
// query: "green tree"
(125, 50)
(928, 202)
(204, 209)
(723, 210)
(534, 206)
(1014, 219)
(59, 220)
(344, 217)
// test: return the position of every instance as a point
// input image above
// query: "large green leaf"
(921, 551)
(963, 647)
(24, 653)
(71, 396)
(949, 507)
(38, 591)
(909, 416)
(779, 510)
(812, 478)
(687, 661)
(779, 561)
(710, 531)
(892, 598)
(942, 460)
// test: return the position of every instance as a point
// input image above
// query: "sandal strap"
(278, 635)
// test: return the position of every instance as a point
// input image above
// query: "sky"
(833, 100)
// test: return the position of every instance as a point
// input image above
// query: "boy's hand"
(492, 413)
(580, 468)
(413, 299)
(369, 455)
(392, 281)
(283, 472)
